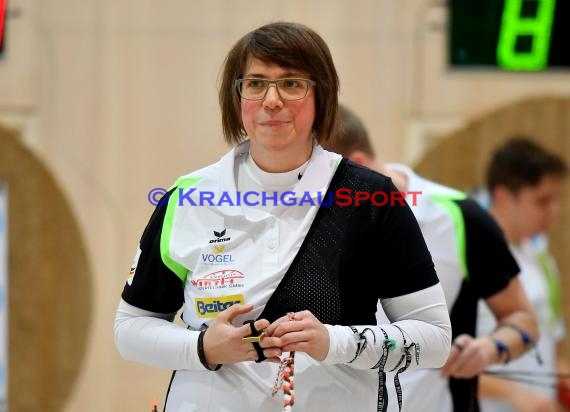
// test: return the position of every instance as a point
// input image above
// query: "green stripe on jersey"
(554, 296)
(166, 234)
(447, 201)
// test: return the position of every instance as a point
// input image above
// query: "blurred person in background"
(473, 262)
(291, 278)
(524, 183)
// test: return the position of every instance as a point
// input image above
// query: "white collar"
(318, 174)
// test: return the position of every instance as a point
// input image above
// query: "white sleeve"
(151, 338)
(421, 327)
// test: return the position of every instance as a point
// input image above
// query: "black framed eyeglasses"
(253, 88)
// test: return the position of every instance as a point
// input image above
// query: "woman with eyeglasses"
(278, 254)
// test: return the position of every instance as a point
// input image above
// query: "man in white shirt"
(472, 261)
(525, 186)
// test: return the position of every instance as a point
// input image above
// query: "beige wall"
(119, 96)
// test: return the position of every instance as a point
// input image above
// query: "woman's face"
(277, 126)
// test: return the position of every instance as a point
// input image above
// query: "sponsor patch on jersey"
(134, 266)
(211, 307)
(216, 258)
(220, 237)
(221, 279)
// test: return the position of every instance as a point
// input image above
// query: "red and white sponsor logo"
(134, 266)
(221, 279)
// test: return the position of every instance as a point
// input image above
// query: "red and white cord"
(285, 378)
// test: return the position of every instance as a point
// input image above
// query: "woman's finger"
(271, 328)
(290, 326)
(233, 311)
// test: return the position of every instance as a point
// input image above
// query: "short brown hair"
(351, 135)
(292, 46)
(520, 162)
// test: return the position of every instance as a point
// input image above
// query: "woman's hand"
(301, 333)
(223, 341)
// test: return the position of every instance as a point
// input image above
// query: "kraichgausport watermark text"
(341, 197)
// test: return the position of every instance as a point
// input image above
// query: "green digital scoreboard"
(512, 35)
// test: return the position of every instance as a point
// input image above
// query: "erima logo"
(220, 237)
(211, 307)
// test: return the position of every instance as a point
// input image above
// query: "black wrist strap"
(202, 355)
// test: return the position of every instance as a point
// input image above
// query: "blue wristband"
(528, 341)
(525, 336)
(502, 349)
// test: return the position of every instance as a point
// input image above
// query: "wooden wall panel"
(49, 284)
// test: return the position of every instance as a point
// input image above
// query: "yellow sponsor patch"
(211, 307)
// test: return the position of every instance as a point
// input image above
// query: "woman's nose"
(272, 98)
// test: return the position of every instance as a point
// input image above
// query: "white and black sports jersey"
(473, 262)
(540, 279)
(335, 261)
